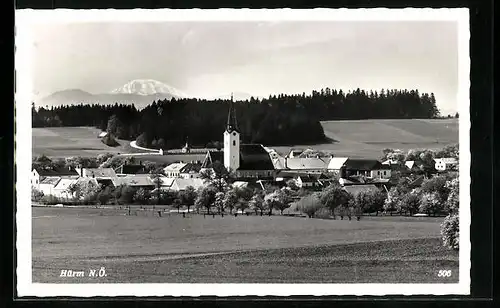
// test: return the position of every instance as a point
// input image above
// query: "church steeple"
(232, 124)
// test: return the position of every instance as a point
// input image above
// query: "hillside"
(367, 138)
(363, 138)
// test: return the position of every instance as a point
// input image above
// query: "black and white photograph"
(239, 152)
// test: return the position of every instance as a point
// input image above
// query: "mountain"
(148, 87)
(140, 92)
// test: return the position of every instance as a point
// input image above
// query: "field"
(72, 141)
(171, 249)
(358, 139)
(367, 138)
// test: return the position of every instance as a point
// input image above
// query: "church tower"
(232, 140)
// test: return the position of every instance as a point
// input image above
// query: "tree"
(205, 198)
(292, 184)
(450, 230)
(437, 184)
(178, 204)
(369, 201)
(309, 205)
(430, 203)
(141, 196)
(104, 196)
(217, 176)
(257, 203)
(230, 200)
(156, 176)
(36, 195)
(142, 140)
(110, 140)
(279, 199)
(410, 202)
(161, 143)
(127, 194)
(219, 201)
(188, 196)
(334, 196)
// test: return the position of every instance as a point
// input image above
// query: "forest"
(278, 120)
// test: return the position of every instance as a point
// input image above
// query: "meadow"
(367, 138)
(146, 248)
(357, 139)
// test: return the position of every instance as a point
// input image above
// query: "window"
(234, 142)
(234, 134)
(384, 173)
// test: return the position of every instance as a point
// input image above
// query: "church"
(246, 161)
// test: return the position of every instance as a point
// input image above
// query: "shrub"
(430, 204)
(36, 195)
(110, 140)
(309, 205)
(50, 200)
(450, 231)
(323, 213)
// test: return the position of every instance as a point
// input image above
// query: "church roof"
(254, 157)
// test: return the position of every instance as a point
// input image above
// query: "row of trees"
(425, 155)
(278, 120)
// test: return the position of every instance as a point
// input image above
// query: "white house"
(103, 134)
(98, 173)
(174, 170)
(445, 163)
(336, 163)
(40, 173)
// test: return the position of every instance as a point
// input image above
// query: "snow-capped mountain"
(140, 92)
(148, 87)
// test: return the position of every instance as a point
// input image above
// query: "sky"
(206, 59)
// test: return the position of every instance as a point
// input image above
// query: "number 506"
(444, 273)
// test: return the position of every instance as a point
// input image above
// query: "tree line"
(278, 120)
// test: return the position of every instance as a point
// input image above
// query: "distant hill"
(140, 92)
(368, 138)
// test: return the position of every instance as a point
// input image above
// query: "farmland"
(148, 248)
(367, 138)
(358, 139)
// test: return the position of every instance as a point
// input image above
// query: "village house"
(104, 176)
(38, 174)
(191, 170)
(370, 168)
(174, 170)
(446, 164)
(307, 164)
(137, 181)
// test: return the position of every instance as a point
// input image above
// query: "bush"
(36, 195)
(110, 140)
(450, 231)
(309, 205)
(50, 200)
(323, 213)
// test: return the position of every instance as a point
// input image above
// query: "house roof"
(447, 160)
(167, 181)
(131, 169)
(240, 184)
(103, 134)
(175, 167)
(278, 162)
(356, 189)
(254, 157)
(307, 163)
(134, 180)
(182, 184)
(212, 157)
(191, 168)
(336, 163)
(63, 184)
(364, 164)
(56, 171)
(99, 172)
(50, 180)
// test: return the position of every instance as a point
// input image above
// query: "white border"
(25, 19)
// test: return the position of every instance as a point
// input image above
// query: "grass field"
(148, 248)
(72, 141)
(361, 139)
(367, 138)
